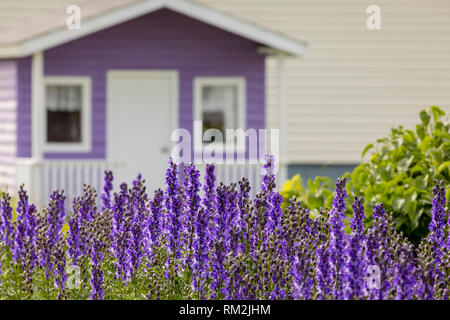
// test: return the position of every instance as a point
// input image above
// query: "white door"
(142, 108)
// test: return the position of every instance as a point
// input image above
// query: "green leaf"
(447, 195)
(424, 117)
(443, 166)
(398, 203)
(367, 148)
(437, 113)
(314, 202)
(420, 130)
(426, 144)
(404, 164)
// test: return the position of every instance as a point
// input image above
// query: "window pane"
(219, 105)
(214, 120)
(63, 126)
(64, 105)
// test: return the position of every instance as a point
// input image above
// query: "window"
(68, 114)
(220, 104)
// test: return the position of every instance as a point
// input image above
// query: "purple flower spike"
(357, 223)
(337, 237)
(156, 223)
(437, 224)
(191, 210)
(209, 200)
(323, 274)
(24, 250)
(139, 210)
(221, 234)
(53, 234)
(201, 253)
(97, 292)
(174, 208)
(6, 227)
(301, 271)
(121, 233)
(107, 189)
(268, 181)
(404, 271)
(353, 273)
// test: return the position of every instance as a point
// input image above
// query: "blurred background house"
(110, 93)
(353, 84)
(348, 89)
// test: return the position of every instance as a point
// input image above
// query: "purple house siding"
(24, 108)
(160, 40)
(8, 128)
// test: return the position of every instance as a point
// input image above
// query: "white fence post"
(29, 173)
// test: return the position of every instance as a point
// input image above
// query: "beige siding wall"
(354, 83)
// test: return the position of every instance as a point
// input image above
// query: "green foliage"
(318, 194)
(401, 169)
(399, 173)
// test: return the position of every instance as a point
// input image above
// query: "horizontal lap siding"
(353, 84)
(161, 40)
(24, 108)
(8, 127)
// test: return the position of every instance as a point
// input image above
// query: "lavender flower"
(138, 202)
(155, 220)
(268, 181)
(200, 247)
(97, 278)
(84, 213)
(221, 233)
(357, 223)
(74, 238)
(59, 267)
(121, 234)
(52, 233)
(404, 271)
(107, 189)
(6, 227)
(323, 273)
(353, 273)
(173, 226)
(244, 212)
(302, 272)
(426, 272)
(337, 237)
(191, 210)
(437, 224)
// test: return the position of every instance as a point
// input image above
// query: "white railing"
(71, 176)
(229, 173)
(41, 178)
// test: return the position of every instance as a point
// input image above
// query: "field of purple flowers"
(212, 241)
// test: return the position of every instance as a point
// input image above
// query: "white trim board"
(37, 105)
(113, 17)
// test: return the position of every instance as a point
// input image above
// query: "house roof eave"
(110, 18)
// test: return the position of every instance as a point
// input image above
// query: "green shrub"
(318, 194)
(399, 173)
(402, 168)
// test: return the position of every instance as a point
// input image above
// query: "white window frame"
(240, 83)
(86, 115)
